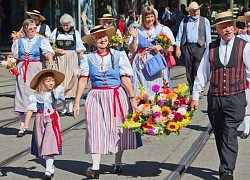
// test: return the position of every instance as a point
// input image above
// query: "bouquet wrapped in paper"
(10, 63)
(163, 40)
(165, 112)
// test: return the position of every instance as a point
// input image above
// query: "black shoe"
(20, 133)
(61, 114)
(93, 174)
(201, 95)
(244, 135)
(227, 175)
(117, 169)
(69, 113)
(47, 177)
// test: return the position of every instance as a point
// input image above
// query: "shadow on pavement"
(202, 173)
(197, 127)
(12, 131)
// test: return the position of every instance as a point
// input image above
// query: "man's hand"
(194, 104)
(178, 52)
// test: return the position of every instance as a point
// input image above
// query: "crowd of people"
(115, 77)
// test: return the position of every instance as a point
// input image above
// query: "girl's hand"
(76, 110)
(133, 31)
(76, 72)
(24, 127)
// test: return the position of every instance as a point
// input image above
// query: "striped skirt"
(103, 132)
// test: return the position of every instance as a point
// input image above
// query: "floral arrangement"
(163, 40)
(117, 42)
(165, 112)
(16, 35)
(10, 63)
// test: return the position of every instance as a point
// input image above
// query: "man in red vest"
(226, 64)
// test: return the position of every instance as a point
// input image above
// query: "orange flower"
(146, 106)
(172, 95)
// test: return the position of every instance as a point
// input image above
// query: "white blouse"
(28, 43)
(45, 99)
(124, 64)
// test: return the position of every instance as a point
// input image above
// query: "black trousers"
(226, 113)
(192, 53)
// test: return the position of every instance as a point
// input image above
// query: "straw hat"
(36, 13)
(223, 17)
(193, 5)
(110, 31)
(244, 18)
(107, 17)
(59, 77)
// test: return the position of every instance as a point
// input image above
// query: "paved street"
(157, 159)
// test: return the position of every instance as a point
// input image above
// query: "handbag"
(156, 64)
(170, 60)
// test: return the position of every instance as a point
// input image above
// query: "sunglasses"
(32, 28)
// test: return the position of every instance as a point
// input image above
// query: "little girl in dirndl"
(46, 137)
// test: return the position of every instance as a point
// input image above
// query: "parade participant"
(47, 138)
(42, 27)
(193, 37)
(141, 39)
(226, 64)
(246, 36)
(69, 47)
(29, 51)
(106, 20)
(109, 71)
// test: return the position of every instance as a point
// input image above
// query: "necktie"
(225, 57)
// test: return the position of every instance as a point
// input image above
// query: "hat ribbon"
(223, 19)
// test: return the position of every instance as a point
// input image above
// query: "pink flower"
(155, 88)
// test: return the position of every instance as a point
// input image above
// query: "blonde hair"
(40, 87)
(146, 11)
(27, 22)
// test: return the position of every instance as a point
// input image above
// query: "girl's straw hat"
(244, 18)
(223, 17)
(110, 31)
(59, 77)
(107, 17)
(36, 13)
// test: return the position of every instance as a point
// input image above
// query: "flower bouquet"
(163, 40)
(10, 64)
(165, 112)
(16, 35)
(117, 42)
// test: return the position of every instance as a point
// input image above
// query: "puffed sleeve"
(33, 103)
(79, 44)
(53, 35)
(169, 34)
(84, 66)
(46, 47)
(59, 92)
(124, 64)
(14, 49)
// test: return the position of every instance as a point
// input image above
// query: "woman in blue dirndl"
(143, 45)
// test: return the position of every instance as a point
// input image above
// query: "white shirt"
(47, 30)
(203, 73)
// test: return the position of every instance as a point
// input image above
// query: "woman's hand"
(157, 48)
(76, 71)
(76, 110)
(60, 52)
(133, 102)
(84, 17)
(133, 31)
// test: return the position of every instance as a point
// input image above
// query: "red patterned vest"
(230, 79)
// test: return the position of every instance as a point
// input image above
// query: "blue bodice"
(35, 51)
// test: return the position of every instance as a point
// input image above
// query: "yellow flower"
(172, 126)
(165, 111)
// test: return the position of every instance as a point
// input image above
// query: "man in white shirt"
(226, 64)
(42, 28)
